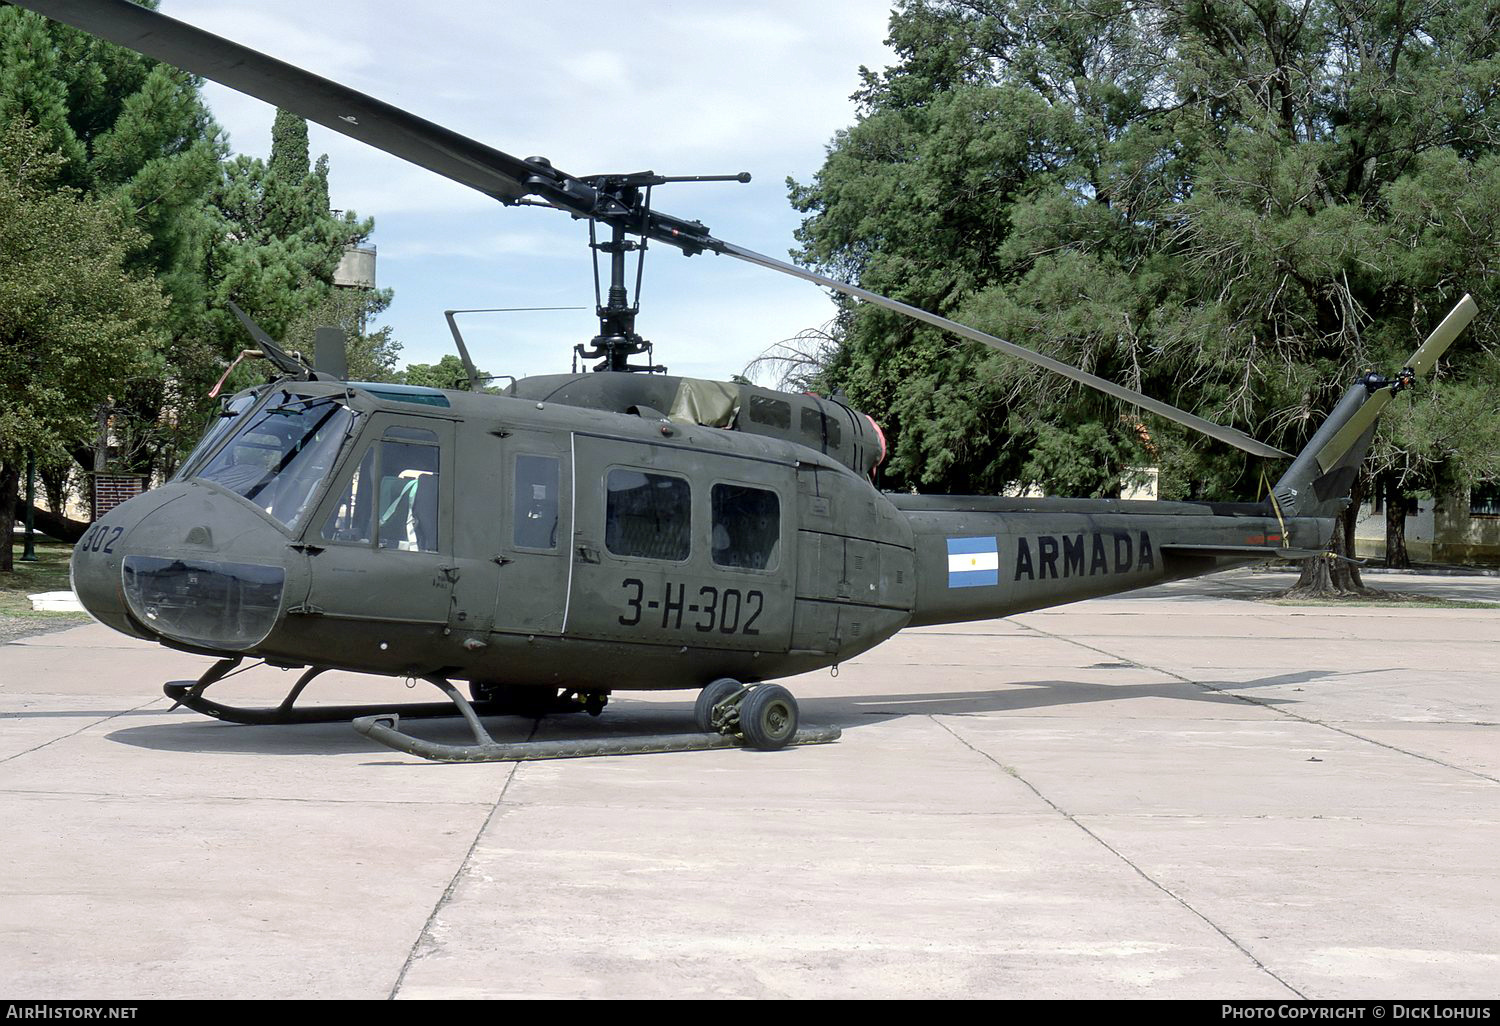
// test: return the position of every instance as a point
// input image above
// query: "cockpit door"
(385, 531)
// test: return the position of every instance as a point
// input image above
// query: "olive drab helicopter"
(573, 535)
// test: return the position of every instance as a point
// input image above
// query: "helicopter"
(569, 536)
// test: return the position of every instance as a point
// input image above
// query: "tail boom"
(980, 557)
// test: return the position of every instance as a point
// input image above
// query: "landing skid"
(190, 695)
(383, 727)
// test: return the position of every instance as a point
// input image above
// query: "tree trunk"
(1335, 575)
(55, 483)
(1346, 570)
(56, 526)
(10, 482)
(1395, 523)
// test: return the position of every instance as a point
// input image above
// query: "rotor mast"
(617, 340)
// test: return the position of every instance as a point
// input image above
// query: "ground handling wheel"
(768, 717)
(710, 696)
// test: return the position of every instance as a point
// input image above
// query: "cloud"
(674, 87)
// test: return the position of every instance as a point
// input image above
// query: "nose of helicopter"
(184, 564)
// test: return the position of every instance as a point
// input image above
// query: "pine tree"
(1232, 206)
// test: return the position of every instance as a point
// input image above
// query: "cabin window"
(775, 412)
(746, 527)
(534, 506)
(392, 498)
(821, 429)
(647, 515)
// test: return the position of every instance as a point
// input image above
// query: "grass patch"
(48, 573)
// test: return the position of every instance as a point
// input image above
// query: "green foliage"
(136, 134)
(448, 372)
(1086, 460)
(371, 354)
(78, 326)
(1230, 206)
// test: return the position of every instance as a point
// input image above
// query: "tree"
(1231, 206)
(78, 327)
(275, 246)
(446, 373)
(371, 354)
(135, 134)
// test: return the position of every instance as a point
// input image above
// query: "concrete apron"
(1172, 794)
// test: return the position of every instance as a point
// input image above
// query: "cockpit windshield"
(227, 420)
(280, 457)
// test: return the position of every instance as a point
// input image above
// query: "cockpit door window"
(391, 499)
(407, 508)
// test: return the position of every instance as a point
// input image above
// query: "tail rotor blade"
(1443, 335)
(1421, 362)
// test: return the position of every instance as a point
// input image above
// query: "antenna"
(458, 338)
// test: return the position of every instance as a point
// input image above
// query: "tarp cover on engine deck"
(709, 403)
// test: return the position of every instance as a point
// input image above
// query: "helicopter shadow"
(852, 711)
(629, 719)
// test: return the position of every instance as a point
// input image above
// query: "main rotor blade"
(310, 96)
(1238, 439)
(1421, 362)
(286, 363)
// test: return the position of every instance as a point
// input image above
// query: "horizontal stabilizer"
(1241, 551)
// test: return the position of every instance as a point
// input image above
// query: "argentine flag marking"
(973, 562)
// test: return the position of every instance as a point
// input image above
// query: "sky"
(673, 87)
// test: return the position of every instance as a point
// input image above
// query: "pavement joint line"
(1311, 721)
(1065, 814)
(80, 730)
(426, 931)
